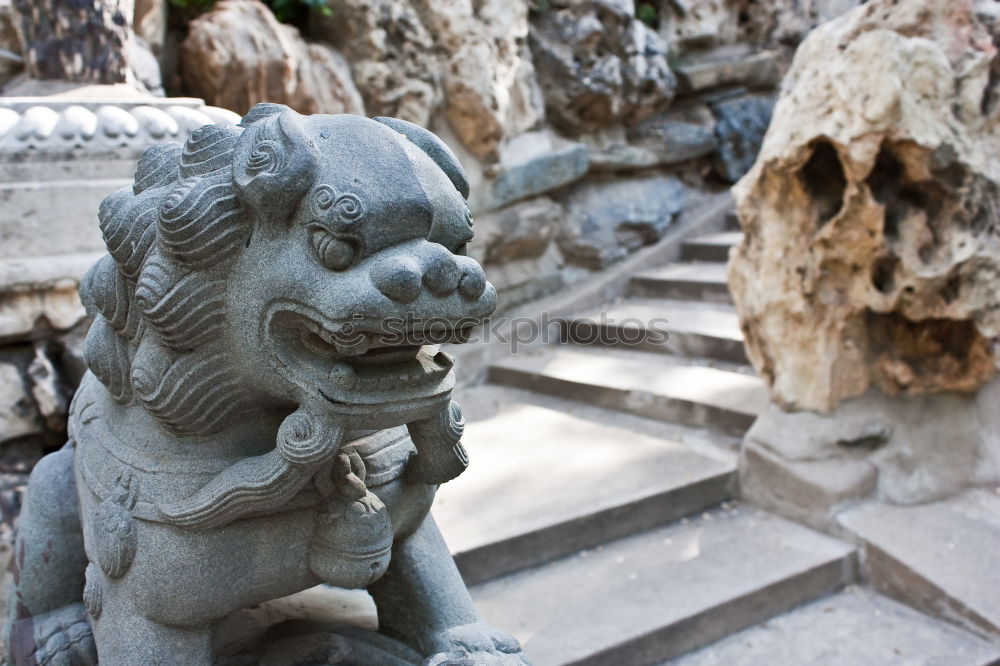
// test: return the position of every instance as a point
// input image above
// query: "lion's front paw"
(476, 645)
(60, 638)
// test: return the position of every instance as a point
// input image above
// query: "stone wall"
(585, 131)
(551, 106)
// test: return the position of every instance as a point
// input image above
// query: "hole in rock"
(884, 273)
(824, 181)
(935, 354)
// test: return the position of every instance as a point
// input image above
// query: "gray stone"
(532, 164)
(940, 557)
(145, 67)
(756, 70)
(702, 281)
(742, 122)
(644, 383)
(597, 65)
(527, 279)
(62, 41)
(705, 330)
(659, 141)
(901, 436)
(853, 628)
(711, 247)
(267, 293)
(607, 220)
(810, 492)
(521, 231)
(656, 480)
(662, 593)
(18, 412)
(679, 134)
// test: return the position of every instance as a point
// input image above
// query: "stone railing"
(46, 126)
(59, 157)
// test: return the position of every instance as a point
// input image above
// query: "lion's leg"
(125, 637)
(46, 614)
(422, 600)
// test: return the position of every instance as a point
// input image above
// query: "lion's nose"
(442, 275)
(473, 282)
(404, 279)
(399, 280)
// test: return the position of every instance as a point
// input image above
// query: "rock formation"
(238, 55)
(391, 55)
(11, 58)
(872, 244)
(598, 64)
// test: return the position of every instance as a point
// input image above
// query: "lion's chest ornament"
(297, 265)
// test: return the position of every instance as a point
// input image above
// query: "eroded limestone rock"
(487, 73)
(872, 250)
(391, 55)
(598, 64)
(471, 59)
(11, 56)
(238, 55)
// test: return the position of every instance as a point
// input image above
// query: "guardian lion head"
(285, 260)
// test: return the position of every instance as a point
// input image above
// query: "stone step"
(701, 281)
(651, 597)
(733, 221)
(673, 327)
(942, 558)
(712, 247)
(644, 383)
(548, 480)
(853, 628)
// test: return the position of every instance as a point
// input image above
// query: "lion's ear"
(435, 149)
(274, 161)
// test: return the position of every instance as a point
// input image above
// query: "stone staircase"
(599, 521)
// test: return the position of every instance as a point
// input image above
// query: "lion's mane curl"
(157, 299)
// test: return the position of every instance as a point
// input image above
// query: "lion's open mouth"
(363, 362)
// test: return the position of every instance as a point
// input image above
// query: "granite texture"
(266, 408)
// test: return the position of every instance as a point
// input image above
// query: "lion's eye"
(336, 253)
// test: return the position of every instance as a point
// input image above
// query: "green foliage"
(285, 11)
(192, 4)
(540, 6)
(648, 13)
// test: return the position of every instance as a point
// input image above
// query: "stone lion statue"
(266, 409)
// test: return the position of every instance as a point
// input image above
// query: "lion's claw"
(476, 644)
(64, 638)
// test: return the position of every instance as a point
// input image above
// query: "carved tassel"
(261, 484)
(440, 454)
